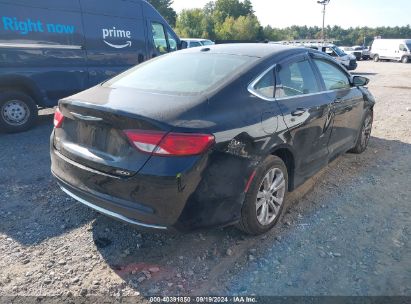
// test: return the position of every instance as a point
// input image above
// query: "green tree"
(242, 28)
(192, 23)
(165, 9)
(232, 8)
(235, 20)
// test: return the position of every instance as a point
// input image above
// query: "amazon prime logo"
(117, 33)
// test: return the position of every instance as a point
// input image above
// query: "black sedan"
(209, 136)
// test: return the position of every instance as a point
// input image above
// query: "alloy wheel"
(366, 131)
(270, 196)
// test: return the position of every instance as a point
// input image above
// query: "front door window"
(159, 37)
(162, 42)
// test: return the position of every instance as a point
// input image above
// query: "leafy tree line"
(235, 20)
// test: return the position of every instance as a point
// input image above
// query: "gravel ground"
(346, 231)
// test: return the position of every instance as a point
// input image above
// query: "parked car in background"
(365, 52)
(52, 49)
(352, 51)
(219, 140)
(347, 60)
(391, 49)
(193, 42)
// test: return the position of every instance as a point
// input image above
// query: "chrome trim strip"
(110, 213)
(85, 117)
(40, 46)
(83, 167)
(251, 89)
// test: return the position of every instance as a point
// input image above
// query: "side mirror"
(183, 45)
(360, 81)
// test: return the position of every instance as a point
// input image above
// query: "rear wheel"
(18, 111)
(265, 199)
(405, 59)
(376, 58)
(365, 134)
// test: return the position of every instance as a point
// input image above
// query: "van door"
(115, 37)
(162, 40)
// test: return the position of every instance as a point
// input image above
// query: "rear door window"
(334, 78)
(207, 42)
(296, 78)
(195, 44)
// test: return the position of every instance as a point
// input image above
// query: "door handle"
(338, 100)
(298, 112)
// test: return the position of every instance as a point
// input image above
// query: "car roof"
(194, 39)
(259, 50)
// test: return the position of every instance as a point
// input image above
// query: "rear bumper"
(208, 194)
(144, 200)
(93, 203)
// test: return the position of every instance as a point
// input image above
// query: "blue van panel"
(40, 25)
(113, 44)
(117, 8)
(33, 40)
(53, 48)
(69, 5)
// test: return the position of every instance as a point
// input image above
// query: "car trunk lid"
(94, 136)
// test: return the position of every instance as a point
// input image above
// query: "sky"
(345, 13)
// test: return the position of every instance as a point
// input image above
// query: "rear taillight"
(58, 119)
(170, 144)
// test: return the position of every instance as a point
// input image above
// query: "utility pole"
(324, 4)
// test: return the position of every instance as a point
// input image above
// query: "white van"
(391, 49)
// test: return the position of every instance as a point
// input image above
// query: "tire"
(376, 58)
(405, 59)
(252, 217)
(364, 134)
(18, 111)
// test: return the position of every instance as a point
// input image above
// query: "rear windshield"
(181, 73)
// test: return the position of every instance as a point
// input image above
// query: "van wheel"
(376, 58)
(18, 111)
(405, 59)
(265, 199)
(364, 135)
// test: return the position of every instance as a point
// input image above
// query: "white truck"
(391, 49)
